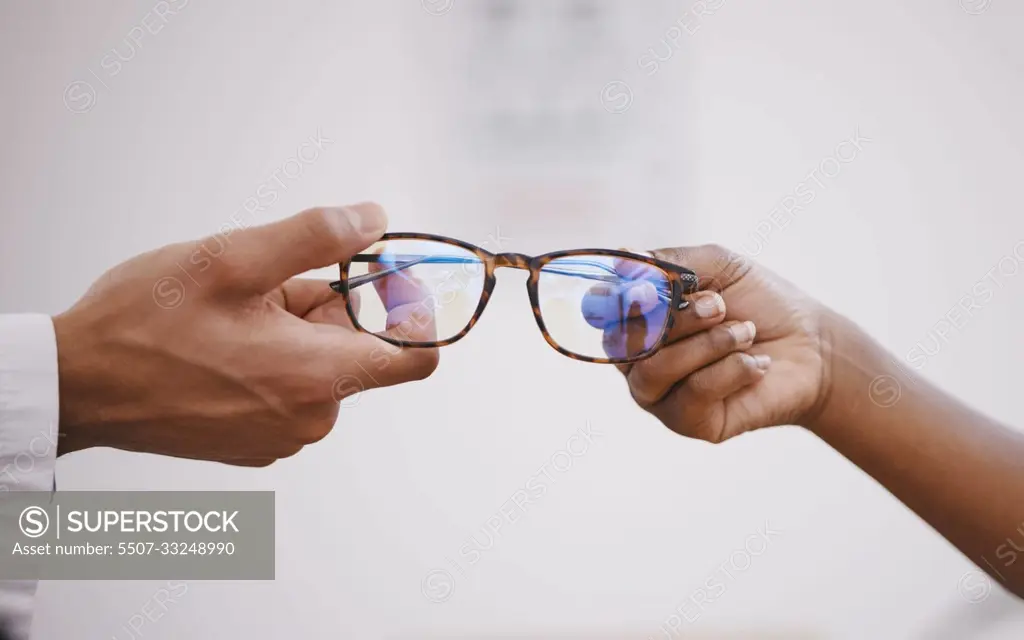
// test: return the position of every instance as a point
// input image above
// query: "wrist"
(79, 379)
(855, 370)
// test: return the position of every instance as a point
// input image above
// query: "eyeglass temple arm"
(410, 261)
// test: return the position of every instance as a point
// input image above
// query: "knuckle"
(721, 340)
(709, 283)
(640, 392)
(722, 257)
(229, 268)
(692, 423)
(718, 251)
(703, 425)
(320, 424)
(675, 255)
(700, 384)
(642, 383)
(729, 265)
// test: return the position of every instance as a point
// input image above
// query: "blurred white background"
(544, 125)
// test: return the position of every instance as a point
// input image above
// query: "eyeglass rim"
(683, 281)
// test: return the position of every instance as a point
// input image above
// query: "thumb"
(716, 267)
(258, 259)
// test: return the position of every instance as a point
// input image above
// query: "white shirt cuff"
(29, 417)
(29, 402)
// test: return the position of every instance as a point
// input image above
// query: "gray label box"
(145, 535)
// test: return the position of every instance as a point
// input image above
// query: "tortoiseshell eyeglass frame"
(682, 280)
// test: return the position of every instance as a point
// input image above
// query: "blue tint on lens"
(604, 307)
(422, 291)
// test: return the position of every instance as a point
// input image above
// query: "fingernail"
(762, 361)
(709, 305)
(643, 294)
(744, 332)
(368, 218)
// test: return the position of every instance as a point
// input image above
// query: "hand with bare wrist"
(960, 471)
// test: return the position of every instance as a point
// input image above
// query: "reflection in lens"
(419, 291)
(604, 307)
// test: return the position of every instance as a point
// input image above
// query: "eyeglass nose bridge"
(512, 260)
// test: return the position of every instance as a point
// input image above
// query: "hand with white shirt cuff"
(247, 367)
(244, 364)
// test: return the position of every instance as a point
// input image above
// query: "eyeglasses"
(595, 305)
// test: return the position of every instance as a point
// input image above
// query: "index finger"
(716, 267)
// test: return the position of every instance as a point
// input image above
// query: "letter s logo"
(34, 521)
